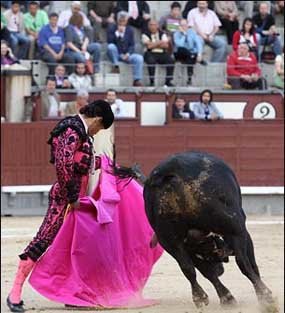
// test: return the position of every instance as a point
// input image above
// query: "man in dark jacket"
(121, 46)
(266, 30)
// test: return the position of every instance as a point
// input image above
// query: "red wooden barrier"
(253, 148)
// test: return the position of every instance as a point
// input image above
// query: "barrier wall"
(253, 148)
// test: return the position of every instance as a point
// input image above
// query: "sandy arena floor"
(167, 283)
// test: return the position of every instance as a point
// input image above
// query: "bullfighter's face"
(95, 125)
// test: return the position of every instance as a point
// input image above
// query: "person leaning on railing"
(50, 99)
(180, 110)
(243, 70)
(206, 109)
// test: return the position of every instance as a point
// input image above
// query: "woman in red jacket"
(246, 35)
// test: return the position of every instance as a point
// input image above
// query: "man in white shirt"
(20, 42)
(115, 103)
(79, 79)
(206, 23)
(65, 15)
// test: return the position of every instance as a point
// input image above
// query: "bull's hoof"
(269, 307)
(228, 300)
(201, 300)
(265, 296)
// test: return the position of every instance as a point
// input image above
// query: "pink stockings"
(24, 269)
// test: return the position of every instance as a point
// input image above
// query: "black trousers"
(152, 58)
(5, 35)
(230, 27)
(185, 56)
(139, 23)
(238, 83)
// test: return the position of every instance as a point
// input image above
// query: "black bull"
(193, 203)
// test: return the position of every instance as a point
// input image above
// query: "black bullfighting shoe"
(15, 307)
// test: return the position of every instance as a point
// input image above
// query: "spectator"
(247, 7)
(246, 35)
(278, 7)
(243, 70)
(80, 43)
(265, 27)
(73, 108)
(187, 48)
(121, 47)
(75, 8)
(47, 6)
(60, 78)
(115, 103)
(79, 79)
(5, 34)
(20, 43)
(227, 11)
(50, 100)
(206, 23)
(51, 42)
(138, 12)
(102, 14)
(170, 22)
(157, 43)
(180, 110)
(193, 4)
(34, 20)
(7, 57)
(279, 71)
(206, 108)
(6, 4)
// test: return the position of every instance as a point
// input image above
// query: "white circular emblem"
(264, 110)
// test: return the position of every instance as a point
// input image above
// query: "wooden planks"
(253, 148)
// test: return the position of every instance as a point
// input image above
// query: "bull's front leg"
(200, 298)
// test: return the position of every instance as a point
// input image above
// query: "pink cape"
(101, 255)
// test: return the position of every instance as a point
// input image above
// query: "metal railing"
(213, 75)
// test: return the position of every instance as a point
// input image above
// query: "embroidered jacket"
(72, 155)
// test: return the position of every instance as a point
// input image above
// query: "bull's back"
(191, 189)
